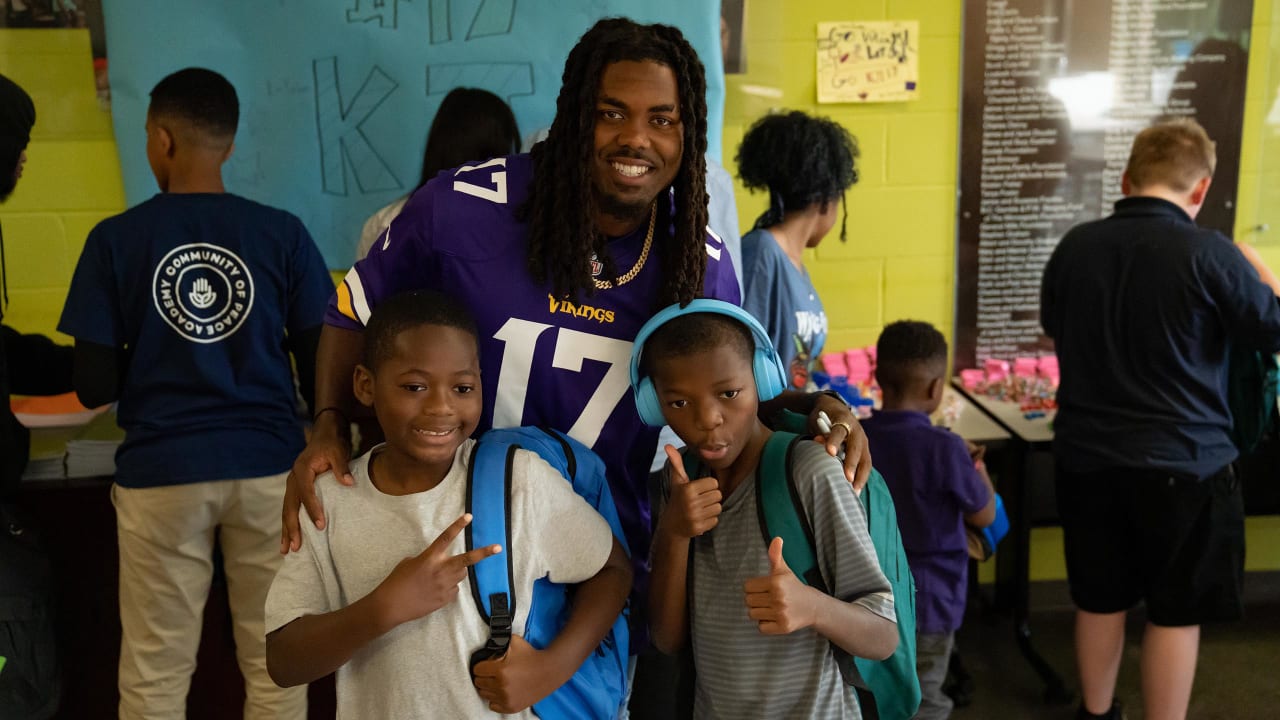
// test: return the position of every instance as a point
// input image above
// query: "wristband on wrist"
(831, 394)
(330, 408)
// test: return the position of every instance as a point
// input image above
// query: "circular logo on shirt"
(203, 291)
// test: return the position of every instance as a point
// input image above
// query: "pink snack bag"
(997, 370)
(833, 363)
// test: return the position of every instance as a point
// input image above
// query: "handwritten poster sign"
(868, 61)
(336, 96)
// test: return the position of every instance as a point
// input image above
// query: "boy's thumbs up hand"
(779, 602)
(694, 505)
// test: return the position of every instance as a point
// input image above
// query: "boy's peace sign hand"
(779, 602)
(694, 506)
(426, 582)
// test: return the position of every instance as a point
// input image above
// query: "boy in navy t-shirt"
(186, 309)
(937, 488)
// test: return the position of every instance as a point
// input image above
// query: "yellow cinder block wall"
(72, 177)
(898, 263)
(899, 260)
(1259, 198)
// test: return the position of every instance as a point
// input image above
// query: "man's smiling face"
(639, 136)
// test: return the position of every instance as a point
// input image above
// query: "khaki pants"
(166, 537)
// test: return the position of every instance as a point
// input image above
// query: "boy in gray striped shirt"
(765, 644)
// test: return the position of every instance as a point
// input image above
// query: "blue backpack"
(893, 682)
(983, 541)
(596, 691)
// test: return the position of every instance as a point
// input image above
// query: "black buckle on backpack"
(499, 632)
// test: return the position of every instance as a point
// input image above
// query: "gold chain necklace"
(644, 255)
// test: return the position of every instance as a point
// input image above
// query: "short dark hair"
(201, 98)
(471, 124)
(409, 310)
(909, 352)
(693, 334)
(800, 160)
(562, 205)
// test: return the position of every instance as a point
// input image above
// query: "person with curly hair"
(806, 164)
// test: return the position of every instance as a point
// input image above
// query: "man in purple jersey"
(562, 255)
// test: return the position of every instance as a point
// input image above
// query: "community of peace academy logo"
(203, 291)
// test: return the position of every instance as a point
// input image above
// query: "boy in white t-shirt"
(375, 595)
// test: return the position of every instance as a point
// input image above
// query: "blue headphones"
(771, 377)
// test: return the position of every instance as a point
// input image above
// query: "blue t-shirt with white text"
(782, 297)
(200, 289)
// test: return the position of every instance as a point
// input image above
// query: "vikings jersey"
(544, 360)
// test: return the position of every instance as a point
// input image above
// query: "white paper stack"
(44, 468)
(92, 452)
(48, 451)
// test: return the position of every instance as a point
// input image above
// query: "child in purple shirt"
(936, 488)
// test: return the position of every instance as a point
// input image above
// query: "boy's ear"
(936, 386)
(362, 384)
(230, 149)
(164, 140)
(1200, 190)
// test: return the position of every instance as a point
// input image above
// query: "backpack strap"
(571, 460)
(780, 511)
(489, 502)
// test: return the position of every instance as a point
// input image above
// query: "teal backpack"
(1253, 378)
(892, 682)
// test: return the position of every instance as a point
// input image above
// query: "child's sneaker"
(1115, 713)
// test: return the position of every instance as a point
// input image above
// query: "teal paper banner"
(336, 96)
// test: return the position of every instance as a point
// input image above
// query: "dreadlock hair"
(800, 160)
(562, 207)
(909, 354)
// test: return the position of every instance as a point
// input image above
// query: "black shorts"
(1132, 535)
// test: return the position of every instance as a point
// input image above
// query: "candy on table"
(860, 402)
(950, 411)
